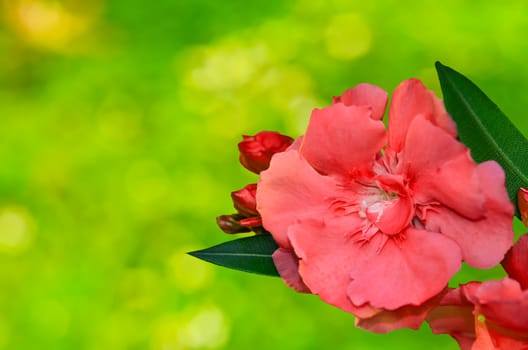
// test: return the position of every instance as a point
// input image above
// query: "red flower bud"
(230, 223)
(522, 202)
(516, 261)
(256, 151)
(254, 221)
(247, 218)
(244, 200)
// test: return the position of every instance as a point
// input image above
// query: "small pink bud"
(244, 200)
(256, 151)
(522, 202)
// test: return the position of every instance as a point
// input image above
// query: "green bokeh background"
(118, 129)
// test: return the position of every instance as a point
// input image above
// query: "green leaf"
(485, 129)
(249, 254)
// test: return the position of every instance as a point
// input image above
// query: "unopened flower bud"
(230, 223)
(522, 202)
(256, 151)
(244, 200)
(254, 221)
(516, 261)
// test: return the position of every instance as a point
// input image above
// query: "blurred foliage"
(119, 124)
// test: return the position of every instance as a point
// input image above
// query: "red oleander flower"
(375, 221)
(256, 151)
(487, 315)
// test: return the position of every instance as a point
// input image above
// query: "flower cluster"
(490, 314)
(377, 221)
(255, 155)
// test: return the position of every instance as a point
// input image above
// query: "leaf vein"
(488, 135)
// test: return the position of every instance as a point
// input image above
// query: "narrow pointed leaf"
(484, 128)
(249, 254)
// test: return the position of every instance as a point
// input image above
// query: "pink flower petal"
(291, 190)
(287, 265)
(405, 317)
(296, 144)
(397, 214)
(366, 95)
(489, 339)
(484, 315)
(516, 261)
(342, 140)
(406, 272)
(483, 341)
(454, 185)
(409, 100)
(385, 274)
(453, 316)
(465, 341)
(440, 116)
(504, 305)
(441, 169)
(488, 292)
(326, 256)
(428, 146)
(483, 242)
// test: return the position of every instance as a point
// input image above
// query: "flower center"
(389, 214)
(375, 203)
(383, 203)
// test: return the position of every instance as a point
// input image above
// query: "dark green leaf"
(249, 254)
(484, 128)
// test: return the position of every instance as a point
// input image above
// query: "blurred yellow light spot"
(302, 106)
(51, 24)
(189, 273)
(40, 17)
(286, 81)
(207, 329)
(16, 226)
(227, 66)
(291, 91)
(348, 37)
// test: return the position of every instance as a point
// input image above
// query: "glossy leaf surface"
(249, 254)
